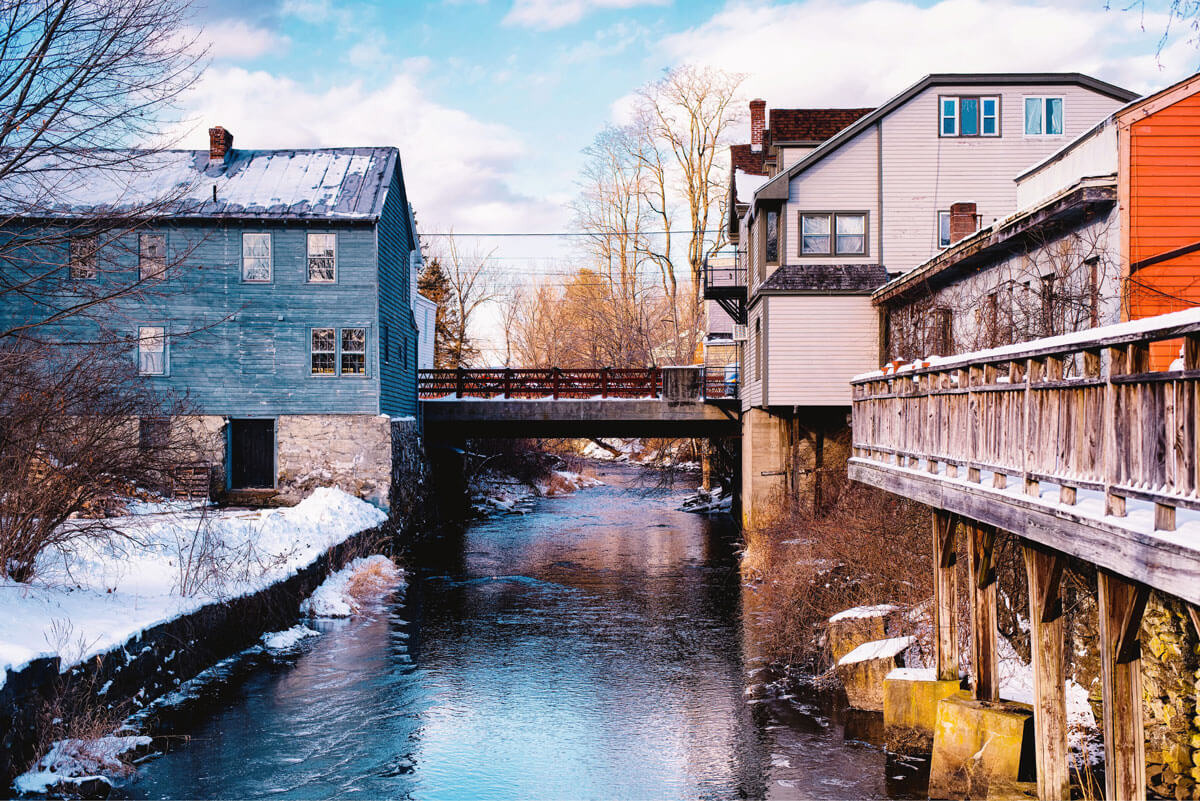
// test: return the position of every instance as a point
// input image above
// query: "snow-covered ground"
(707, 501)
(171, 561)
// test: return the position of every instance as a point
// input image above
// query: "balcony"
(726, 284)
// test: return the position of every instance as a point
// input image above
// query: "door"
(252, 454)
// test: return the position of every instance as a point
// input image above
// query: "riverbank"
(106, 628)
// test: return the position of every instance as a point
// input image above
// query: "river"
(593, 648)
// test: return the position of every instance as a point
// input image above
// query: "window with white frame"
(1043, 116)
(152, 350)
(323, 351)
(972, 115)
(354, 351)
(152, 256)
(771, 245)
(82, 258)
(833, 234)
(256, 258)
(322, 258)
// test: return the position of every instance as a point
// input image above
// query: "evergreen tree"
(434, 284)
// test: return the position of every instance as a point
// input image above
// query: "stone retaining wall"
(352, 452)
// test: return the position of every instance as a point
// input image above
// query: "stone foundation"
(350, 451)
(979, 743)
(910, 708)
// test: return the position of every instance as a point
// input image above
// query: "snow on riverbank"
(708, 501)
(169, 562)
(74, 763)
(497, 494)
(360, 582)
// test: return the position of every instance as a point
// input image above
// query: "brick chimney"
(963, 221)
(758, 121)
(220, 142)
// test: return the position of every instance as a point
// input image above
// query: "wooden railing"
(556, 383)
(1081, 411)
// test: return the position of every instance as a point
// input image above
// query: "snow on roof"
(333, 183)
(877, 649)
(745, 185)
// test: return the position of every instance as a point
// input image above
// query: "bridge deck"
(1070, 442)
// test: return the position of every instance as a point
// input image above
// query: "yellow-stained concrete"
(978, 743)
(848, 633)
(910, 708)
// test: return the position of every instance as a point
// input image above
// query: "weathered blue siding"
(398, 373)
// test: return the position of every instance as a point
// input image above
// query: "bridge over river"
(603, 402)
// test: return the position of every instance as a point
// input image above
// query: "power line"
(456, 234)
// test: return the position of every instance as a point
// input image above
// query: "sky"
(491, 102)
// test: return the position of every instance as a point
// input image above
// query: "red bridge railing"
(556, 383)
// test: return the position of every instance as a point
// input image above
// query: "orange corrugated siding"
(1164, 213)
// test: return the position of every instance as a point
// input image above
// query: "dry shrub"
(372, 579)
(870, 547)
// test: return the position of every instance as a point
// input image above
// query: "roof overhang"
(1004, 238)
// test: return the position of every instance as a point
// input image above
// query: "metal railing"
(723, 279)
(557, 383)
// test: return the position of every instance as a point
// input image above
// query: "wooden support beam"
(1121, 605)
(1194, 614)
(945, 595)
(984, 654)
(1044, 572)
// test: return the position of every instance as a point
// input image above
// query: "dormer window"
(969, 116)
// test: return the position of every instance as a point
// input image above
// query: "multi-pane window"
(82, 261)
(152, 256)
(323, 351)
(354, 351)
(969, 116)
(256, 258)
(322, 258)
(1043, 116)
(772, 238)
(152, 350)
(814, 234)
(154, 433)
(338, 351)
(841, 234)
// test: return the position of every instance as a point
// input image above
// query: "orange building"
(1158, 140)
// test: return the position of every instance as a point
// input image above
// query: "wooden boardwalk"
(1074, 445)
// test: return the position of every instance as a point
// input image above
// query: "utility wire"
(455, 234)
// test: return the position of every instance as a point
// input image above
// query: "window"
(354, 351)
(384, 342)
(969, 116)
(322, 352)
(152, 256)
(1043, 116)
(82, 261)
(256, 258)
(154, 433)
(338, 351)
(152, 350)
(772, 244)
(943, 229)
(322, 258)
(841, 234)
(814, 234)
(851, 234)
(758, 349)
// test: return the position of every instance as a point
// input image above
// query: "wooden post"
(1113, 473)
(945, 595)
(984, 655)
(1044, 572)
(1121, 605)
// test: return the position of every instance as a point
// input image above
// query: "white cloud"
(459, 171)
(549, 14)
(235, 40)
(848, 54)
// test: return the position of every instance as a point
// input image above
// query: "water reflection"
(592, 649)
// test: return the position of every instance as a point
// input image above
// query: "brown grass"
(372, 580)
(869, 547)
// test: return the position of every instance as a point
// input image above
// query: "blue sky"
(491, 101)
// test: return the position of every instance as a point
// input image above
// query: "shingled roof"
(809, 124)
(330, 183)
(822, 278)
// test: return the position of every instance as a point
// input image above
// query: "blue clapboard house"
(278, 303)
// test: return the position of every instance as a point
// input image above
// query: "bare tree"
(511, 303)
(472, 282)
(87, 90)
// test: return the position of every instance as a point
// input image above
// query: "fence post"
(604, 382)
(507, 382)
(555, 380)
(459, 382)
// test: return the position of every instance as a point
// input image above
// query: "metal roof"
(328, 183)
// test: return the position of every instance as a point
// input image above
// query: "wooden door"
(252, 454)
